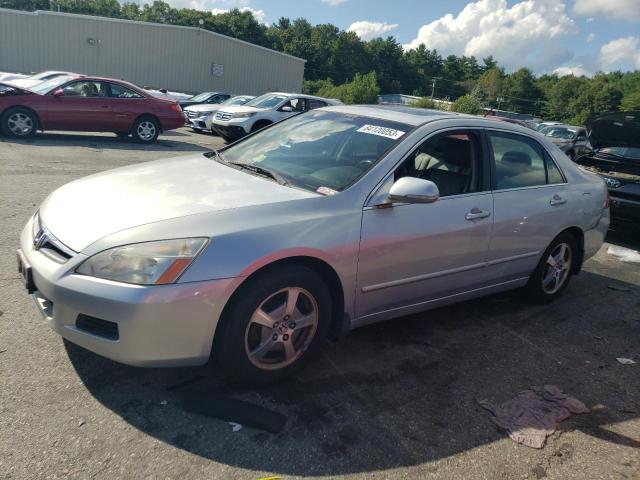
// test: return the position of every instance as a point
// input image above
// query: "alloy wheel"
(146, 130)
(556, 268)
(20, 124)
(281, 328)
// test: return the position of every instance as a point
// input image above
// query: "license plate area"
(26, 272)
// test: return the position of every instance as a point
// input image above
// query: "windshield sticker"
(381, 131)
(326, 191)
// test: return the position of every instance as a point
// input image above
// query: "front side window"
(319, 149)
(85, 89)
(297, 104)
(451, 161)
(520, 162)
(268, 100)
(118, 91)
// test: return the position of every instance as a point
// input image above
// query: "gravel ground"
(393, 400)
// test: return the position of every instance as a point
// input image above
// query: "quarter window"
(521, 162)
(451, 161)
(118, 91)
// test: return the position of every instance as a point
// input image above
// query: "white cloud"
(590, 19)
(514, 35)
(590, 37)
(333, 3)
(208, 4)
(369, 30)
(259, 15)
(578, 71)
(620, 50)
(618, 9)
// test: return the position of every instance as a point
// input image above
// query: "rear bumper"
(594, 237)
(167, 325)
(171, 123)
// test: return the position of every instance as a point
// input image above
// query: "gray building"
(178, 58)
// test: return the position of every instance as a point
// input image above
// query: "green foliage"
(467, 104)
(427, 102)
(362, 89)
(336, 60)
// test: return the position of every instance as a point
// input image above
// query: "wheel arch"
(578, 234)
(259, 124)
(339, 319)
(146, 115)
(26, 107)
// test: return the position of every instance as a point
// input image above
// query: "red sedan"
(88, 104)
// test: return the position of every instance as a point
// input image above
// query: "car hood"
(86, 210)
(241, 109)
(615, 129)
(203, 108)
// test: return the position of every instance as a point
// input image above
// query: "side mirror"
(58, 93)
(414, 190)
(286, 108)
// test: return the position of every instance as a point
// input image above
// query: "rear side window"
(521, 162)
(118, 91)
(313, 104)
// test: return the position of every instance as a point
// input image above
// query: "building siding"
(161, 56)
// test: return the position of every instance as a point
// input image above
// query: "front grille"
(223, 116)
(47, 243)
(98, 327)
(191, 114)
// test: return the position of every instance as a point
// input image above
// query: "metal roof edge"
(123, 20)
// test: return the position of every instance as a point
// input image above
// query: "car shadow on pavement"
(165, 142)
(404, 392)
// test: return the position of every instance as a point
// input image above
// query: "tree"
(362, 89)
(467, 104)
(522, 93)
(491, 85)
(631, 101)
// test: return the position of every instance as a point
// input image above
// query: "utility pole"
(433, 87)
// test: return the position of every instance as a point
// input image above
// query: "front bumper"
(625, 210)
(159, 326)
(230, 131)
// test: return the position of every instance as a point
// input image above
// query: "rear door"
(531, 200)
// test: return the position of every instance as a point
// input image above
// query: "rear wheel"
(273, 325)
(19, 123)
(146, 130)
(553, 273)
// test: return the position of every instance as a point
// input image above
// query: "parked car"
(210, 98)
(541, 125)
(570, 139)
(232, 123)
(40, 76)
(32, 80)
(515, 121)
(615, 138)
(324, 222)
(200, 117)
(167, 94)
(92, 104)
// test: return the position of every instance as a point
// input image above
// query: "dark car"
(615, 138)
(90, 104)
(205, 97)
(570, 139)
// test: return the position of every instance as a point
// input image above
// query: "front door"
(411, 254)
(84, 105)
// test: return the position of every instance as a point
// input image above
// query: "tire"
(227, 139)
(277, 347)
(19, 122)
(547, 282)
(146, 130)
(259, 125)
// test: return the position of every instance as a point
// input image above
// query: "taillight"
(607, 202)
(175, 107)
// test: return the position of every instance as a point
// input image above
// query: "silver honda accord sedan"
(317, 225)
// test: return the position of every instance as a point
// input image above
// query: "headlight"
(150, 263)
(243, 114)
(612, 182)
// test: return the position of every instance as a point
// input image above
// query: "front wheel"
(273, 325)
(19, 123)
(554, 271)
(146, 130)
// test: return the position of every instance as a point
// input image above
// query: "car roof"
(396, 113)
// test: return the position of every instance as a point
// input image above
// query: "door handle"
(476, 213)
(557, 200)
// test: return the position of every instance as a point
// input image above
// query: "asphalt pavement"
(393, 400)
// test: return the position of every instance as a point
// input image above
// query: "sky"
(561, 36)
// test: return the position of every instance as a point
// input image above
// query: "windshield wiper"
(260, 171)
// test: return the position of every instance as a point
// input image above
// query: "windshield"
(268, 100)
(236, 101)
(48, 85)
(201, 97)
(626, 152)
(319, 151)
(559, 132)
